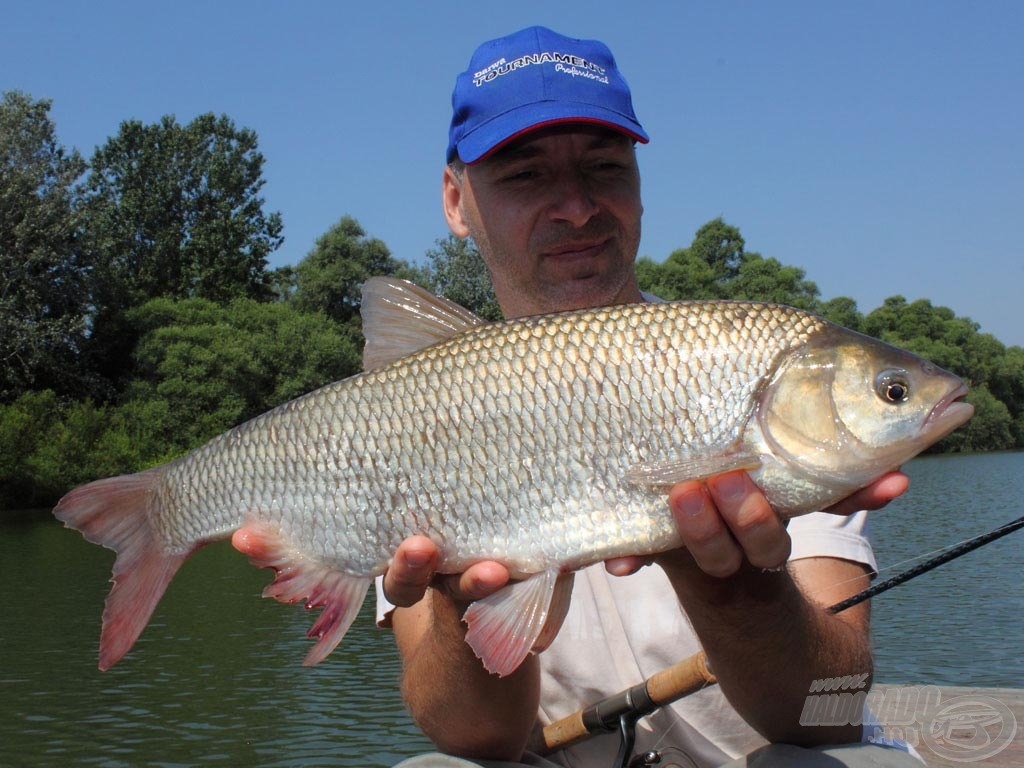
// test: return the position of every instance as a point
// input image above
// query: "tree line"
(139, 317)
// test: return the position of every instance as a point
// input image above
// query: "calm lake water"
(216, 678)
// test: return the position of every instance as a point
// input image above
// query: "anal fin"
(524, 616)
(299, 578)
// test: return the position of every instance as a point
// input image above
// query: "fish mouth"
(949, 413)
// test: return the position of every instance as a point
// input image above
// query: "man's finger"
(410, 571)
(479, 580)
(755, 526)
(702, 530)
(875, 496)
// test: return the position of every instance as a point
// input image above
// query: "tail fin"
(114, 513)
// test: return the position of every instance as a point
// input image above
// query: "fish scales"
(545, 416)
(545, 443)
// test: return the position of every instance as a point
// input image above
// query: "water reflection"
(216, 678)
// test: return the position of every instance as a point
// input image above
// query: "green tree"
(934, 333)
(683, 275)
(86, 442)
(175, 211)
(24, 425)
(43, 293)
(983, 353)
(761, 279)
(843, 311)
(721, 247)
(215, 366)
(48, 445)
(330, 278)
(717, 266)
(1008, 386)
(457, 271)
(701, 271)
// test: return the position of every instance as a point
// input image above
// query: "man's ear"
(451, 201)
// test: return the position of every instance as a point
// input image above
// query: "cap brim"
(496, 133)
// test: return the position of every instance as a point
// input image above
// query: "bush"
(990, 429)
(24, 427)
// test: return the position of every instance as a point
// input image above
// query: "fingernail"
(690, 504)
(621, 569)
(417, 559)
(730, 486)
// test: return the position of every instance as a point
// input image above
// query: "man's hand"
(727, 521)
(413, 568)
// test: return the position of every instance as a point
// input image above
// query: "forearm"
(767, 642)
(461, 707)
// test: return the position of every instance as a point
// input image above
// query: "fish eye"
(892, 387)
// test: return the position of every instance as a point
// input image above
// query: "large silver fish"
(546, 443)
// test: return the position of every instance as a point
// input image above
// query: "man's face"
(556, 216)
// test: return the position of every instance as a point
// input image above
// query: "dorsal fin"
(400, 318)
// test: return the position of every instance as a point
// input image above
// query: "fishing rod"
(621, 711)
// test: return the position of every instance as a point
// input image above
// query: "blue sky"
(877, 145)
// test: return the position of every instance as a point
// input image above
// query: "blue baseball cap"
(534, 78)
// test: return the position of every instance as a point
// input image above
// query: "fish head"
(846, 408)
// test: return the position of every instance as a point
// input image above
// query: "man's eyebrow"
(516, 151)
(528, 148)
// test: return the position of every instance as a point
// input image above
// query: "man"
(542, 174)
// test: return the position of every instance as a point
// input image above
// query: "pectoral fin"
(524, 616)
(659, 475)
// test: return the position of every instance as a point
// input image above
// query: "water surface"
(963, 623)
(215, 679)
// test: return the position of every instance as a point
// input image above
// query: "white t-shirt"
(621, 630)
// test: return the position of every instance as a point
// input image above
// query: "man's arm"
(766, 633)
(460, 706)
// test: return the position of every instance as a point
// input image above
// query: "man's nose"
(572, 200)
